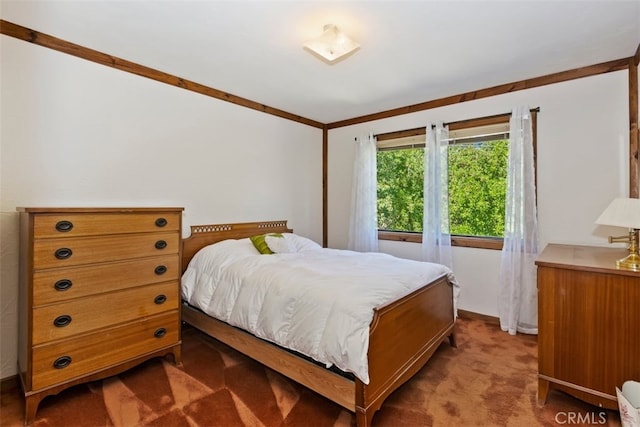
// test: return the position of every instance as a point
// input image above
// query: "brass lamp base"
(630, 262)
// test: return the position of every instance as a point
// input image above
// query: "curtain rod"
(421, 130)
(533, 110)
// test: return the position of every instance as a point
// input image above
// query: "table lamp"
(624, 212)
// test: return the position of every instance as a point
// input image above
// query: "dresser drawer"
(53, 253)
(62, 361)
(75, 224)
(61, 284)
(87, 314)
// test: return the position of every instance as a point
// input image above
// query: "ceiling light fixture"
(332, 45)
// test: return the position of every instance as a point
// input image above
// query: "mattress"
(318, 302)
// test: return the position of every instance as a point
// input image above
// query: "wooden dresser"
(99, 293)
(588, 323)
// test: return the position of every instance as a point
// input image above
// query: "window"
(477, 160)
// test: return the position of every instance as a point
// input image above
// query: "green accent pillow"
(261, 245)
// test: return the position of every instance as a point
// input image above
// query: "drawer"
(77, 224)
(91, 313)
(93, 352)
(61, 284)
(53, 253)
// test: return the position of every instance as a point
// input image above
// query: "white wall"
(583, 140)
(75, 133)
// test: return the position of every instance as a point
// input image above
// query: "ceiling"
(411, 51)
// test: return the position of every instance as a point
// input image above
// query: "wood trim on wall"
(634, 136)
(325, 186)
(464, 241)
(576, 73)
(464, 314)
(631, 64)
(45, 40)
(460, 124)
(10, 384)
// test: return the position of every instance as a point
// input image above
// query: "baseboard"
(10, 383)
(464, 314)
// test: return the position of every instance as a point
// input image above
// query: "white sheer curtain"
(363, 222)
(436, 238)
(517, 294)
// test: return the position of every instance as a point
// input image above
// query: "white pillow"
(300, 243)
(222, 252)
(280, 245)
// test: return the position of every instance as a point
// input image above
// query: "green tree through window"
(400, 189)
(477, 188)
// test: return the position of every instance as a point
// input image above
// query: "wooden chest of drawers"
(588, 323)
(99, 293)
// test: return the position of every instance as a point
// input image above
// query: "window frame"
(494, 243)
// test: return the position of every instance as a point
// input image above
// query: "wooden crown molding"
(576, 73)
(45, 40)
(631, 63)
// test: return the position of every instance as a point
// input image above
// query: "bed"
(402, 335)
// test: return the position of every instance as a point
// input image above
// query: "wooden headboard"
(204, 235)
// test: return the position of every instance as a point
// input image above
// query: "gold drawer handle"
(62, 362)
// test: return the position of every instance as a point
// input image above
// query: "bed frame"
(403, 334)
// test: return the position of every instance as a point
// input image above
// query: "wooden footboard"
(403, 334)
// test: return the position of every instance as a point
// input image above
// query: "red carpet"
(489, 380)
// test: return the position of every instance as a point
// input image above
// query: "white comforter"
(317, 302)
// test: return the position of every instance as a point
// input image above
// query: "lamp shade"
(622, 212)
(331, 45)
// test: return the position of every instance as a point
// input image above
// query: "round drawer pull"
(63, 285)
(161, 222)
(62, 362)
(64, 226)
(63, 253)
(62, 321)
(160, 299)
(161, 244)
(161, 269)
(160, 332)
